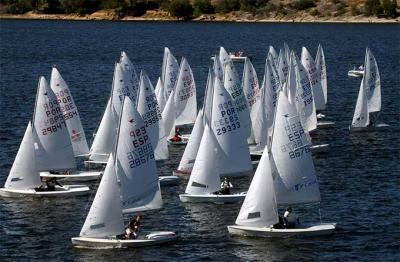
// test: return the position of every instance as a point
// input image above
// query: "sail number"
(140, 156)
(298, 152)
(53, 128)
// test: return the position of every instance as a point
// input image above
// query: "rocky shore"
(238, 16)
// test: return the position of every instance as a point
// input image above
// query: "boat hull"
(152, 239)
(181, 174)
(70, 190)
(319, 148)
(168, 180)
(314, 230)
(218, 199)
(184, 141)
(325, 124)
(79, 176)
(369, 128)
(355, 73)
(94, 164)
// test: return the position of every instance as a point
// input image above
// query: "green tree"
(202, 7)
(181, 9)
(303, 4)
(226, 6)
(389, 8)
(372, 7)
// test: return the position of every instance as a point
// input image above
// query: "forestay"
(104, 139)
(105, 215)
(70, 112)
(296, 182)
(53, 148)
(234, 157)
(259, 208)
(135, 164)
(23, 174)
(204, 178)
(309, 65)
(185, 96)
(148, 108)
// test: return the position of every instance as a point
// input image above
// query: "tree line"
(188, 9)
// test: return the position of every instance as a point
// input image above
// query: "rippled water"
(358, 176)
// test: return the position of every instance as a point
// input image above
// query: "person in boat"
(50, 185)
(226, 186)
(361, 68)
(177, 137)
(290, 219)
(132, 230)
(280, 224)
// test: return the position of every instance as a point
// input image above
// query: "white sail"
(283, 66)
(204, 178)
(259, 208)
(53, 148)
(234, 87)
(372, 82)
(70, 112)
(296, 182)
(104, 139)
(223, 57)
(290, 87)
(168, 116)
(218, 68)
(132, 79)
(192, 147)
(321, 71)
(271, 88)
(305, 99)
(273, 54)
(23, 174)
(234, 157)
(160, 94)
(208, 97)
(121, 88)
(169, 72)
(260, 123)
(318, 93)
(361, 115)
(148, 108)
(105, 215)
(135, 164)
(185, 96)
(252, 93)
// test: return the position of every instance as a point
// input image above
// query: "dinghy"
(23, 178)
(137, 189)
(53, 148)
(285, 175)
(368, 107)
(356, 72)
(204, 181)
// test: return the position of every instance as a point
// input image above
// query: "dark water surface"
(359, 176)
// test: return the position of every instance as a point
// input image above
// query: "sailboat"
(127, 186)
(24, 178)
(285, 175)
(318, 82)
(182, 104)
(368, 105)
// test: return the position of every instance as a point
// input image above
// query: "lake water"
(359, 176)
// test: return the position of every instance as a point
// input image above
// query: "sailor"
(51, 184)
(226, 187)
(290, 219)
(131, 232)
(177, 137)
(361, 68)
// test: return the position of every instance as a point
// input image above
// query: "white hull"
(314, 230)
(368, 128)
(70, 190)
(78, 176)
(218, 199)
(355, 73)
(181, 174)
(168, 180)
(319, 148)
(95, 164)
(234, 58)
(325, 124)
(152, 239)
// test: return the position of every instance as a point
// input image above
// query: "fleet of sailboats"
(238, 118)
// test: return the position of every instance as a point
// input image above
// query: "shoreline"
(217, 18)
